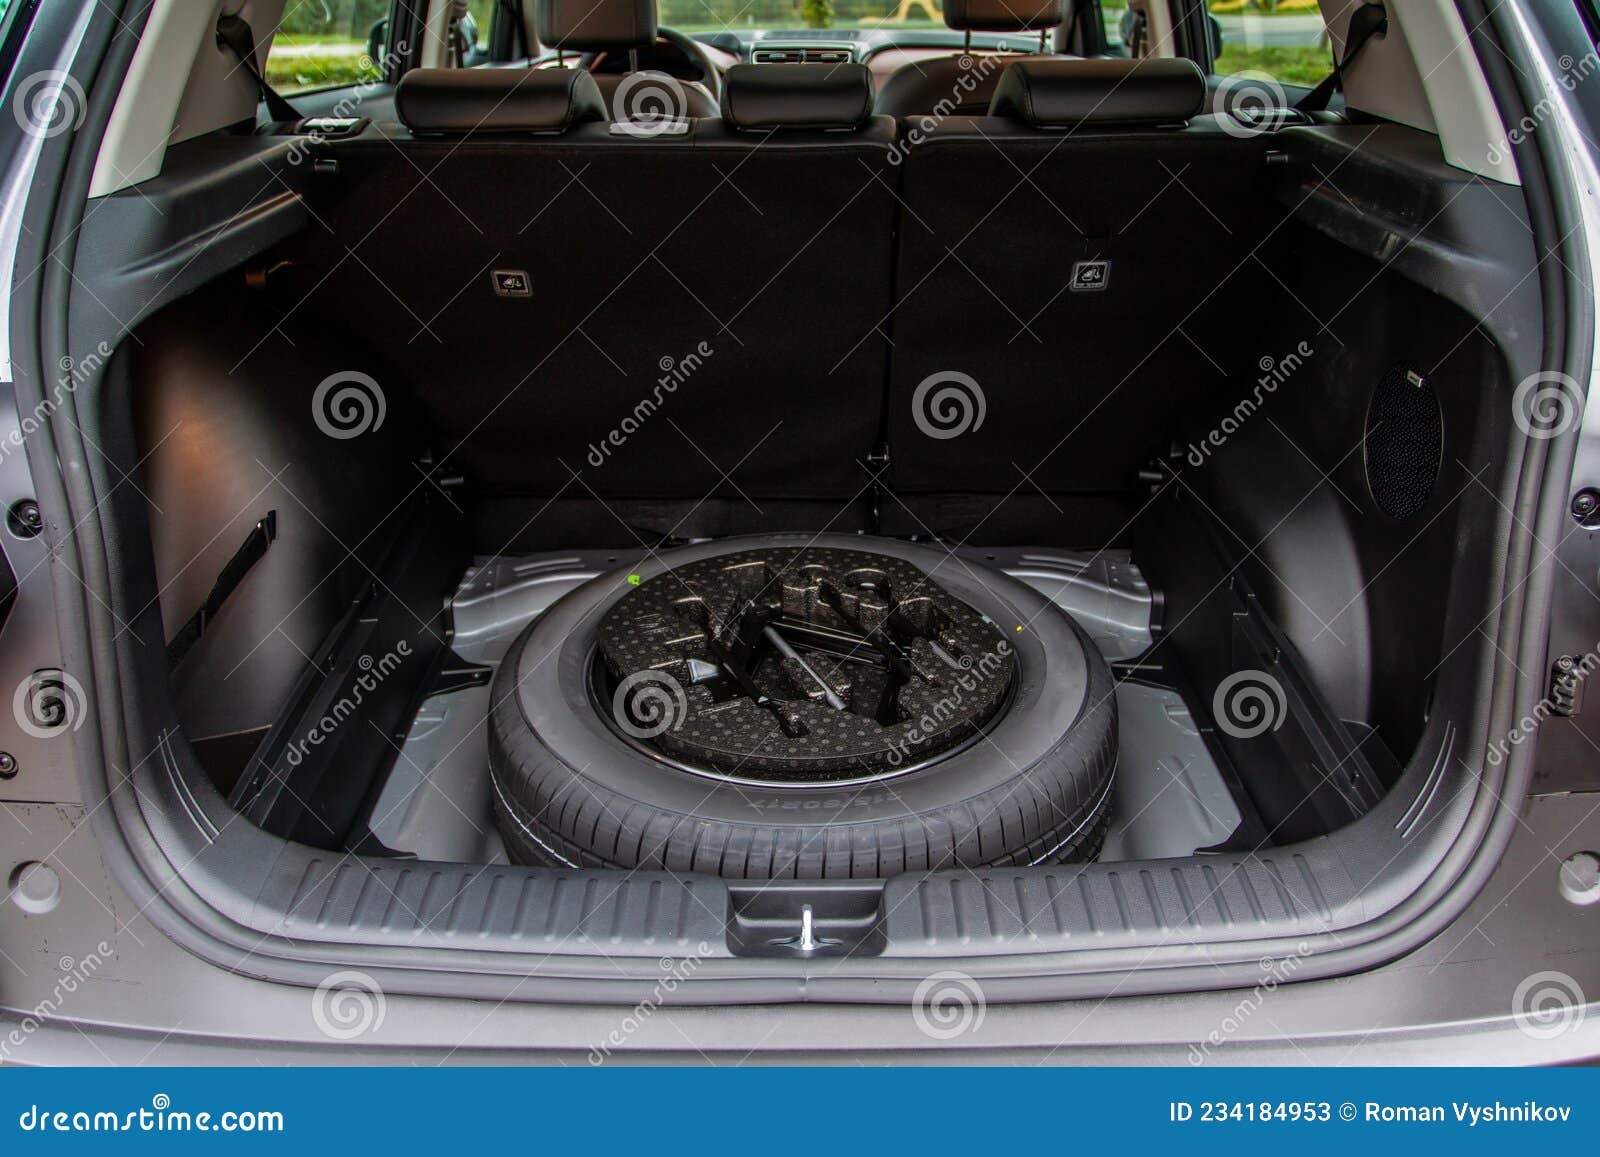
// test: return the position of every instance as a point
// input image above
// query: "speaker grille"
(1404, 442)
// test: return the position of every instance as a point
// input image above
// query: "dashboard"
(825, 46)
(881, 51)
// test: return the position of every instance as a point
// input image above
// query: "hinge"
(878, 461)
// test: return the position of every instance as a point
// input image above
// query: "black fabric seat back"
(605, 314)
(1091, 279)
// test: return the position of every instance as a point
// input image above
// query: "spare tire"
(754, 760)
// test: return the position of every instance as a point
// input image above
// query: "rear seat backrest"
(683, 312)
(1069, 252)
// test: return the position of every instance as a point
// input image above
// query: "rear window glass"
(336, 43)
(327, 43)
(1285, 39)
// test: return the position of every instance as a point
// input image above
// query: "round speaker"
(1404, 442)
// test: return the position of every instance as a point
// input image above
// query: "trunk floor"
(1169, 798)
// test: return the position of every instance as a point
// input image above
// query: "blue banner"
(796, 1111)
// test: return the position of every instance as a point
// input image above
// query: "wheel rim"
(799, 666)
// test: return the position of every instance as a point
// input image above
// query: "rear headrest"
(797, 96)
(497, 100)
(1002, 15)
(595, 25)
(1063, 93)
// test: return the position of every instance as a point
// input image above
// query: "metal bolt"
(8, 765)
(1585, 504)
(25, 518)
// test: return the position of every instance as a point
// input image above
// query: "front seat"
(962, 85)
(611, 26)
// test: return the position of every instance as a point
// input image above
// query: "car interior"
(1229, 388)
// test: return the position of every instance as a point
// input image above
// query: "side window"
(10, 40)
(327, 44)
(1283, 39)
(473, 32)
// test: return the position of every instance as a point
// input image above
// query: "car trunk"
(349, 498)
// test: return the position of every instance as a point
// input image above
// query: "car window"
(1284, 39)
(474, 31)
(327, 43)
(14, 17)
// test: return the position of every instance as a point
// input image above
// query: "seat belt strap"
(234, 34)
(1365, 22)
(262, 535)
(520, 48)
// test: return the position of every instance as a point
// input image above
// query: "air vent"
(800, 54)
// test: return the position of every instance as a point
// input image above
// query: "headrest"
(497, 100)
(1064, 93)
(1002, 15)
(595, 25)
(797, 96)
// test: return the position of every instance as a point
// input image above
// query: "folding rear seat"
(653, 308)
(1082, 256)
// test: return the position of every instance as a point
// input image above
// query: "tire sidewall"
(551, 663)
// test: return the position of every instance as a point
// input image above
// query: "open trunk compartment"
(1326, 506)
